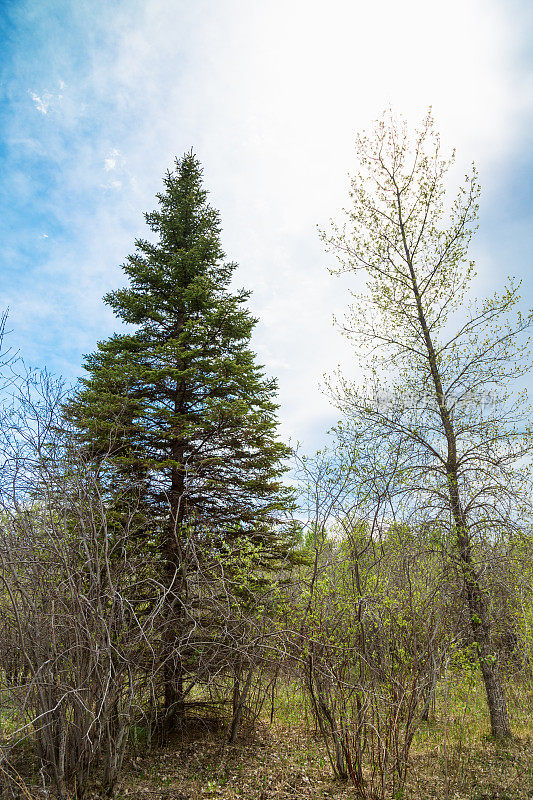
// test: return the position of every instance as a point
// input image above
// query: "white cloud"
(41, 103)
(110, 161)
(46, 101)
(270, 95)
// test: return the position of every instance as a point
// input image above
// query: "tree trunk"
(174, 697)
(239, 700)
(479, 613)
(480, 624)
(499, 717)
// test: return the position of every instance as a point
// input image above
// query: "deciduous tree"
(434, 361)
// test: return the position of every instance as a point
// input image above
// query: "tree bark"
(174, 697)
(239, 700)
(480, 623)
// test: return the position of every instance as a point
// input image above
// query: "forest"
(191, 608)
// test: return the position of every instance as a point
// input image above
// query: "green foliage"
(179, 407)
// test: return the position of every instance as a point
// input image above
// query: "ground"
(284, 764)
(282, 757)
(452, 758)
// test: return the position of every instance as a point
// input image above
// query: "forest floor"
(452, 758)
(281, 763)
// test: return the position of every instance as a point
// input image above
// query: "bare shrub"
(82, 608)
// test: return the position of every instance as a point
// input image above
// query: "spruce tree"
(179, 407)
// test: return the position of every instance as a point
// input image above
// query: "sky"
(97, 98)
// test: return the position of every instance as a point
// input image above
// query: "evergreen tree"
(179, 407)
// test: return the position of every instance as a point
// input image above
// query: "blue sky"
(98, 96)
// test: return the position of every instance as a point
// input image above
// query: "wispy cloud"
(41, 103)
(47, 101)
(110, 161)
(269, 95)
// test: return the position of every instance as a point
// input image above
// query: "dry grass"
(284, 763)
(452, 758)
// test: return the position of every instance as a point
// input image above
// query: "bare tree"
(83, 611)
